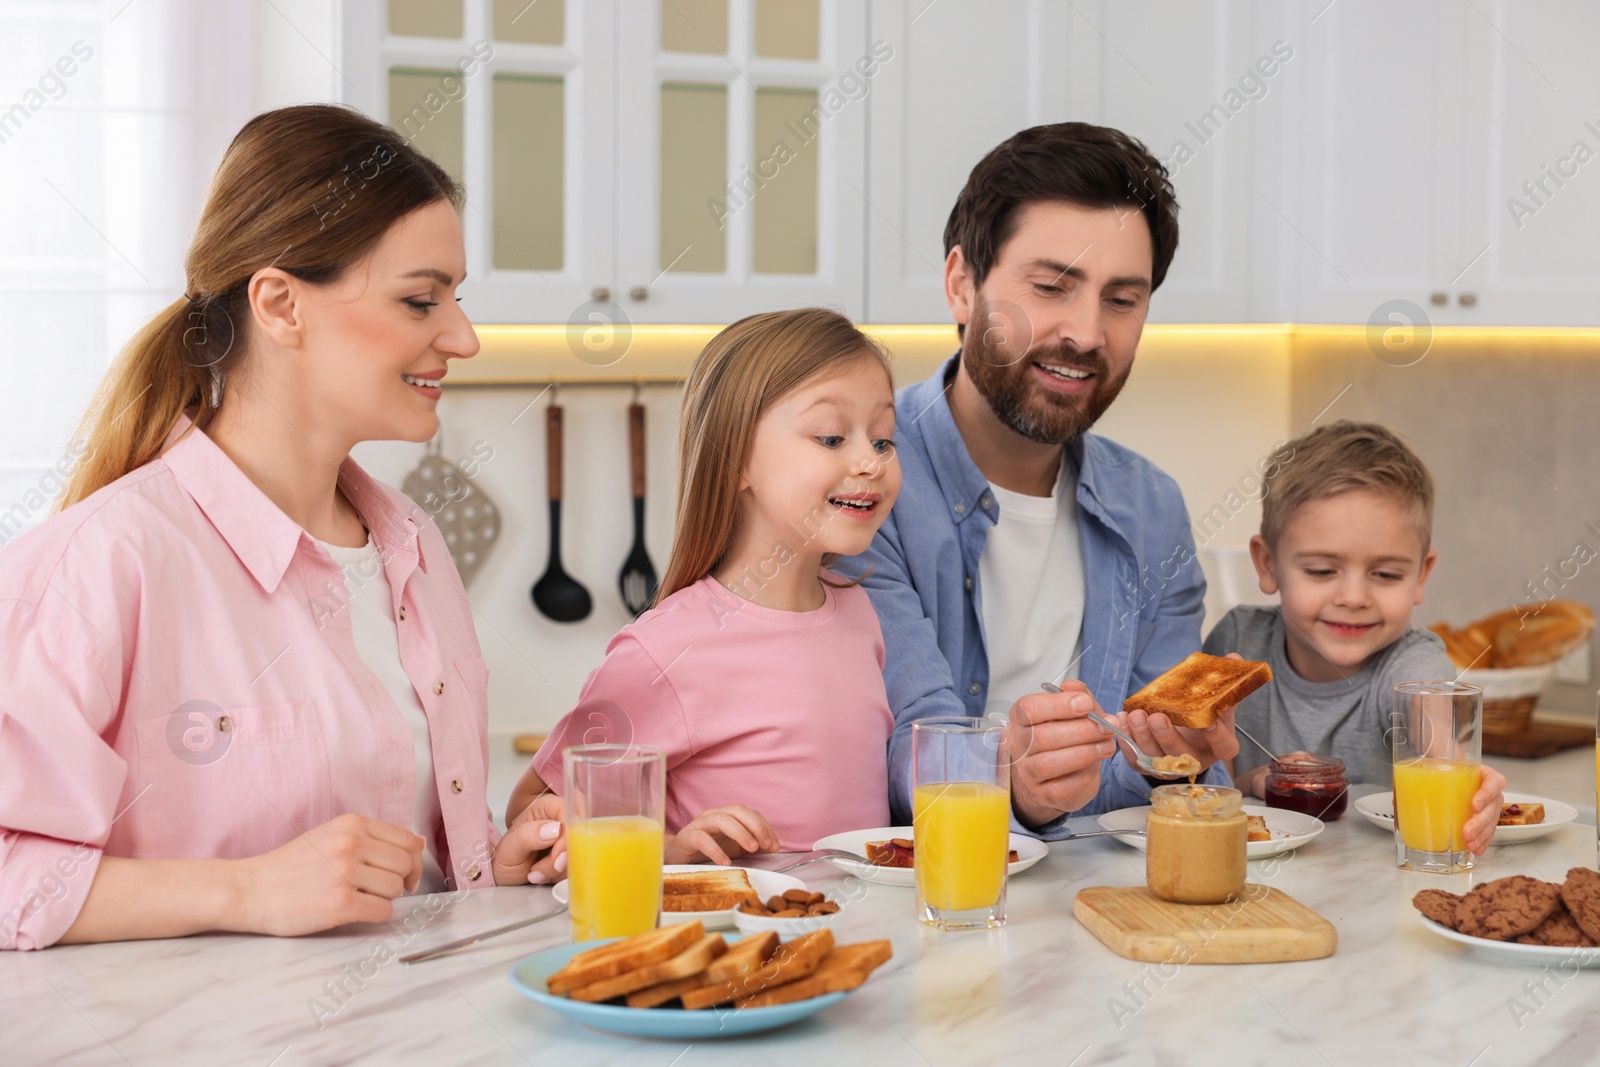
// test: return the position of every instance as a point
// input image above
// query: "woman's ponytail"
(154, 380)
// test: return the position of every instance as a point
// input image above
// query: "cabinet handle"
(1467, 300)
(638, 292)
(1439, 299)
(601, 295)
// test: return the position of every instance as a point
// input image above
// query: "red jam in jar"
(1314, 787)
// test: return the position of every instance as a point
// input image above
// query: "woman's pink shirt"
(178, 679)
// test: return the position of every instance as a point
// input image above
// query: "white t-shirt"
(377, 641)
(1031, 575)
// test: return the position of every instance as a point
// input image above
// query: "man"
(1024, 549)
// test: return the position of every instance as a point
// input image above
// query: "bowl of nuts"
(796, 912)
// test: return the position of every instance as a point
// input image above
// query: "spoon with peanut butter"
(1181, 766)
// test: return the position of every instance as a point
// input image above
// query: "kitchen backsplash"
(1503, 418)
(1508, 421)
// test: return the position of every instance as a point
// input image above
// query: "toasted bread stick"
(629, 954)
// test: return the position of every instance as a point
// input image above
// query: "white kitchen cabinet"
(1443, 155)
(741, 136)
(528, 127)
(965, 74)
(1370, 206)
(658, 160)
(1531, 165)
(1166, 71)
(1205, 87)
(699, 160)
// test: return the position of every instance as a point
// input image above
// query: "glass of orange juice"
(1436, 729)
(961, 821)
(616, 803)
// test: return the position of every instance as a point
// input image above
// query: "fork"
(825, 854)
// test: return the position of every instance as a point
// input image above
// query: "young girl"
(758, 671)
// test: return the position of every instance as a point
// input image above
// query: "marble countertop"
(1041, 990)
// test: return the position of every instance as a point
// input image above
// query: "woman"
(241, 688)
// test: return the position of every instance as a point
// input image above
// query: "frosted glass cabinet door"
(740, 169)
(517, 101)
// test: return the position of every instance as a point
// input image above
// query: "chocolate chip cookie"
(1438, 905)
(1509, 907)
(1560, 931)
(1581, 893)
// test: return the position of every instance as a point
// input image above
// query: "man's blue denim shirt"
(1144, 592)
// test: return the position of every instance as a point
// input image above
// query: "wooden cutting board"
(1268, 926)
(1540, 739)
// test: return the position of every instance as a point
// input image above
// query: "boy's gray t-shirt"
(1347, 718)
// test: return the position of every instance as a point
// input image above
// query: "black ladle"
(638, 578)
(557, 594)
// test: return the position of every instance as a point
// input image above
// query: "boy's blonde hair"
(1343, 456)
(741, 373)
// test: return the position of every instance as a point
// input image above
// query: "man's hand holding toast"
(1057, 749)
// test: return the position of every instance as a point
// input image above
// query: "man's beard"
(1029, 407)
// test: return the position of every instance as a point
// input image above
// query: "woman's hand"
(534, 849)
(720, 835)
(1486, 804)
(347, 870)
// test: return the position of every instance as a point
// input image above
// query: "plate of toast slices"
(682, 983)
(891, 853)
(1271, 830)
(1523, 818)
(709, 894)
(1521, 920)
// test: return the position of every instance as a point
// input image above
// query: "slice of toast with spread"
(1198, 690)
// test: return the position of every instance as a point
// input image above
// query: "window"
(112, 118)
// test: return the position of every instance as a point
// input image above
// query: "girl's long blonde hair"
(745, 369)
(309, 189)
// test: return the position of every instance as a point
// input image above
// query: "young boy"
(1345, 532)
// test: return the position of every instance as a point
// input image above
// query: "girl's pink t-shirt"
(782, 711)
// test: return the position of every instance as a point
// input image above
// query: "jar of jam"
(1314, 787)
(1196, 844)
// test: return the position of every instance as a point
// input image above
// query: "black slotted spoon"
(558, 595)
(637, 581)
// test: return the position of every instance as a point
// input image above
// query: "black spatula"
(638, 578)
(557, 594)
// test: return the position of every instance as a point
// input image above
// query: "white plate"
(765, 883)
(1546, 956)
(785, 928)
(1289, 829)
(1029, 850)
(1378, 809)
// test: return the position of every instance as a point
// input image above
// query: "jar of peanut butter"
(1196, 844)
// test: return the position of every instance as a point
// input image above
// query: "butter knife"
(418, 957)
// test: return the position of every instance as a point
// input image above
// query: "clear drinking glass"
(615, 814)
(1437, 734)
(961, 820)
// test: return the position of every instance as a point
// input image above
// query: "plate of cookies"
(1271, 830)
(1523, 818)
(1522, 920)
(683, 983)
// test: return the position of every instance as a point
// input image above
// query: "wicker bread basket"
(1509, 695)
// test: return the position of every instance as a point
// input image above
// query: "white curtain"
(113, 115)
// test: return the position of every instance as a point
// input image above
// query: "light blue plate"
(528, 976)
